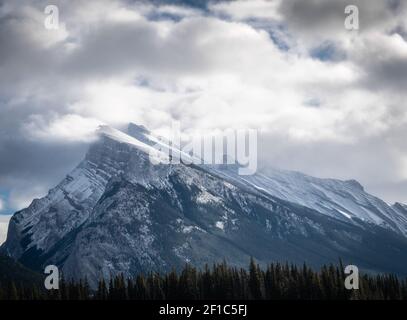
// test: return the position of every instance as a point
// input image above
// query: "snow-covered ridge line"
(122, 137)
(341, 199)
(158, 149)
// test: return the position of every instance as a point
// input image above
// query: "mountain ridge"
(118, 213)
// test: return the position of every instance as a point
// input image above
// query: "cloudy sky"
(328, 101)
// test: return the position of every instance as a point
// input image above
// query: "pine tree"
(255, 281)
(13, 293)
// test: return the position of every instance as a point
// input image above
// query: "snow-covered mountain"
(119, 213)
(342, 200)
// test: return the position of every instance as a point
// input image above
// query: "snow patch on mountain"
(220, 225)
(4, 220)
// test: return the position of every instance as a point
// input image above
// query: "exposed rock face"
(119, 213)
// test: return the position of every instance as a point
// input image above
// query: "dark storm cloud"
(35, 161)
(388, 74)
(29, 85)
(135, 46)
(381, 66)
(319, 16)
(139, 47)
(29, 166)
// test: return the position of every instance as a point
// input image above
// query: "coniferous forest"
(221, 282)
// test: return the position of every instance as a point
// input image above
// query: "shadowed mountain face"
(119, 213)
(13, 272)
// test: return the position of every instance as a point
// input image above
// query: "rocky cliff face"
(119, 213)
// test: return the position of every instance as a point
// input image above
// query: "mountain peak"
(354, 183)
(121, 137)
(138, 137)
(136, 129)
(140, 133)
(400, 205)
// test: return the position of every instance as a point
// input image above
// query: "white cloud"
(110, 63)
(4, 220)
(66, 128)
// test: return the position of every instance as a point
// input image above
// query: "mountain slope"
(119, 213)
(343, 200)
(12, 271)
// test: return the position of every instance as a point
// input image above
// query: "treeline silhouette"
(222, 282)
